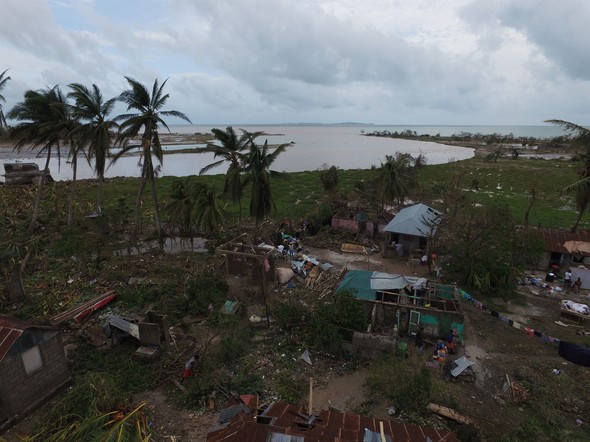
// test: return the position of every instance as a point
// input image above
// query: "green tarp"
(364, 284)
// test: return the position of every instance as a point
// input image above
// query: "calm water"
(315, 146)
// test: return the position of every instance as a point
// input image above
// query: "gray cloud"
(500, 61)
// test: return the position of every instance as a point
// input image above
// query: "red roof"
(11, 329)
(329, 426)
(556, 238)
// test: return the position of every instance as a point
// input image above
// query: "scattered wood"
(513, 392)
(82, 311)
(450, 413)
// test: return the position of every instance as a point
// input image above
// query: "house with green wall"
(399, 304)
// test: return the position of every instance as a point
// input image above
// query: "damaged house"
(399, 304)
(239, 257)
(32, 367)
(281, 422)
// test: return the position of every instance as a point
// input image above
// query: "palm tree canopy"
(572, 127)
(148, 117)
(394, 176)
(230, 148)
(582, 186)
(43, 119)
(3, 80)
(96, 129)
(260, 158)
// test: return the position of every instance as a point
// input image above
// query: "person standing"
(450, 342)
(419, 341)
(577, 285)
(567, 280)
(189, 368)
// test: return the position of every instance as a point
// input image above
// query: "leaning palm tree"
(582, 186)
(37, 128)
(146, 121)
(231, 150)
(3, 81)
(259, 160)
(96, 129)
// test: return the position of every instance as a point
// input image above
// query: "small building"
(240, 257)
(398, 302)
(411, 229)
(359, 223)
(280, 422)
(33, 367)
(557, 255)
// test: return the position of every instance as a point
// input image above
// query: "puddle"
(172, 246)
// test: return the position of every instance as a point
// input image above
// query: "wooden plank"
(74, 311)
(450, 413)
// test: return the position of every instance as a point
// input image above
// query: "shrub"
(290, 388)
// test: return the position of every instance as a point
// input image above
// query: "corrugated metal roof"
(11, 329)
(416, 220)
(556, 238)
(329, 426)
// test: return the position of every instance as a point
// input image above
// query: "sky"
(431, 62)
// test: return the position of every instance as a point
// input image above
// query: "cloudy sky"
(496, 62)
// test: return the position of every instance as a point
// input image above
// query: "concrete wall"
(20, 392)
(350, 225)
(372, 346)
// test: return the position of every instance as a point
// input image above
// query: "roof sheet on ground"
(364, 284)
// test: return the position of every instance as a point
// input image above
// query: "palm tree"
(181, 209)
(95, 130)
(209, 214)
(194, 205)
(63, 126)
(146, 120)
(582, 186)
(230, 150)
(38, 126)
(257, 167)
(3, 81)
(394, 177)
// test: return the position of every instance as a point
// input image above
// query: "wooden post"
(310, 404)
(382, 431)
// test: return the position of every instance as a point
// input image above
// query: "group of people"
(567, 282)
(443, 348)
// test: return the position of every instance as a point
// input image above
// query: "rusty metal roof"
(556, 238)
(329, 426)
(11, 329)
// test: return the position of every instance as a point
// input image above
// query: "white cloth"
(576, 306)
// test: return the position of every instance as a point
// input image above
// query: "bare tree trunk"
(578, 219)
(97, 209)
(532, 200)
(33, 223)
(72, 190)
(157, 222)
(142, 183)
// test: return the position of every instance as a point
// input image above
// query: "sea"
(314, 146)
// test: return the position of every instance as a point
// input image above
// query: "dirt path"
(344, 392)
